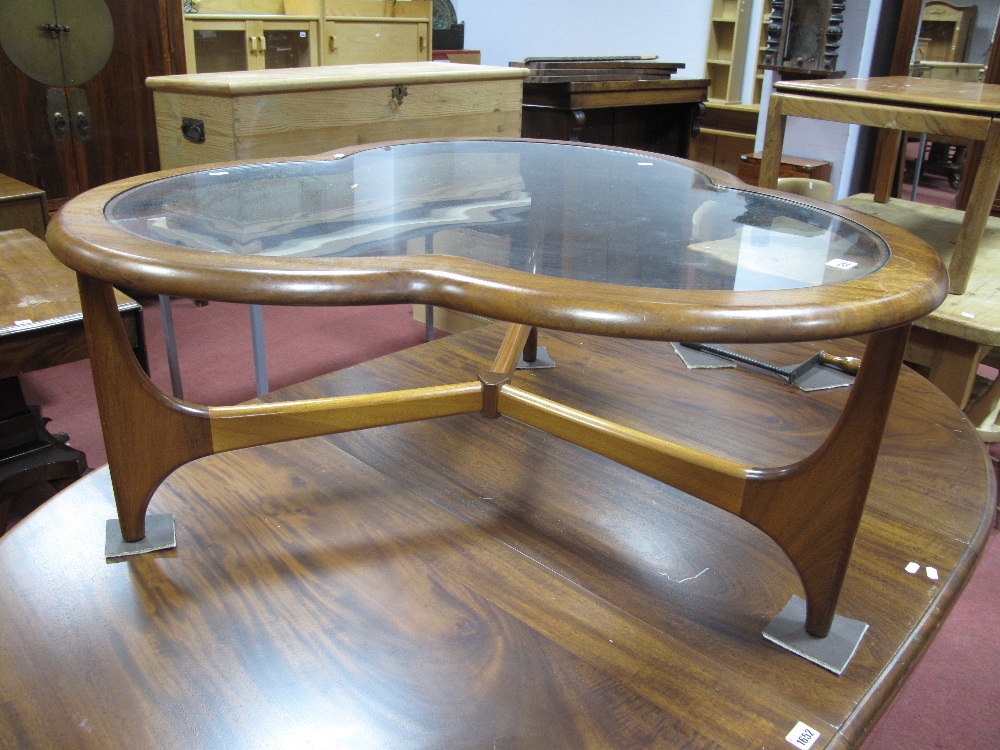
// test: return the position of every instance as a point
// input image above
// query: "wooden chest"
(210, 117)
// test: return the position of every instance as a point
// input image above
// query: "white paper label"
(932, 573)
(845, 265)
(912, 568)
(802, 736)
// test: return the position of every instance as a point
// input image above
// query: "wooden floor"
(475, 583)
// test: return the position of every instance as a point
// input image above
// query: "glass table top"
(569, 211)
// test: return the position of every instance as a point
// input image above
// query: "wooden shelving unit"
(726, 51)
(729, 127)
(758, 85)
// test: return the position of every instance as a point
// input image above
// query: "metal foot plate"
(160, 534)
(834, 652)
(542, 361)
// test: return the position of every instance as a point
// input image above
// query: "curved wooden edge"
(911, 284)
(812, 509)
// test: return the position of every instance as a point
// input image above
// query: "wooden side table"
(41, 325)
(966, 110)
(21, 206)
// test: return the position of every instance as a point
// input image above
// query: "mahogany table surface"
(474, 583)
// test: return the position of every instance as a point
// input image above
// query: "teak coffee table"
(543, 235)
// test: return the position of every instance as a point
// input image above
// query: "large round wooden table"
(545, 236)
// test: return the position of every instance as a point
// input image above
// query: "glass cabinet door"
(216, 46)
(287, 44)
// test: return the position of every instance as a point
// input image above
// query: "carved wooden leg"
(147, 434)
(812, 509)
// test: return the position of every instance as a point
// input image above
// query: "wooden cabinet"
(235, 35)
(372, 40)
(218, 44)
(727, 132)
(945, 32)
(118, 139)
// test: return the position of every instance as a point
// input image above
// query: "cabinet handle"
(421, 42)
(333, 43)
(263, 44)
(252, 45)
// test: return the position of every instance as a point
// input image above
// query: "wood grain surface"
(41, 324)
(467, 582)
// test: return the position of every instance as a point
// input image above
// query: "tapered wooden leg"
(813, 509)
(774, 137)
(147, 434)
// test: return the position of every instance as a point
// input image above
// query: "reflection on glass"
(286, 49)
(219, 51)
(569, 211)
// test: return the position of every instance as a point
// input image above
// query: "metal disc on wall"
(57, 42)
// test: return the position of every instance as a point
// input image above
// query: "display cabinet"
(232, 35)
(219, 44)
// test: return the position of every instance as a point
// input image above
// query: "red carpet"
(951, 701)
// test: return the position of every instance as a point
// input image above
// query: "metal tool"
(791, 374)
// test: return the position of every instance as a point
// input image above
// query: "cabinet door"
(351, 41)
(216, 46)
(284, 44)
(116, 136)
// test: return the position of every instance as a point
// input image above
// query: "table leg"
(813, 508)
(148, 434)
(259, 349)
(139, 455)
(887, 157)
(977, 212)
(167, 317)
(774, 138)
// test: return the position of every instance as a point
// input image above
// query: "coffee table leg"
(172, 432)
(812, 509)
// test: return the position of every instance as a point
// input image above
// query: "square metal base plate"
(542, 361)
(160, 534)
(834, 652)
